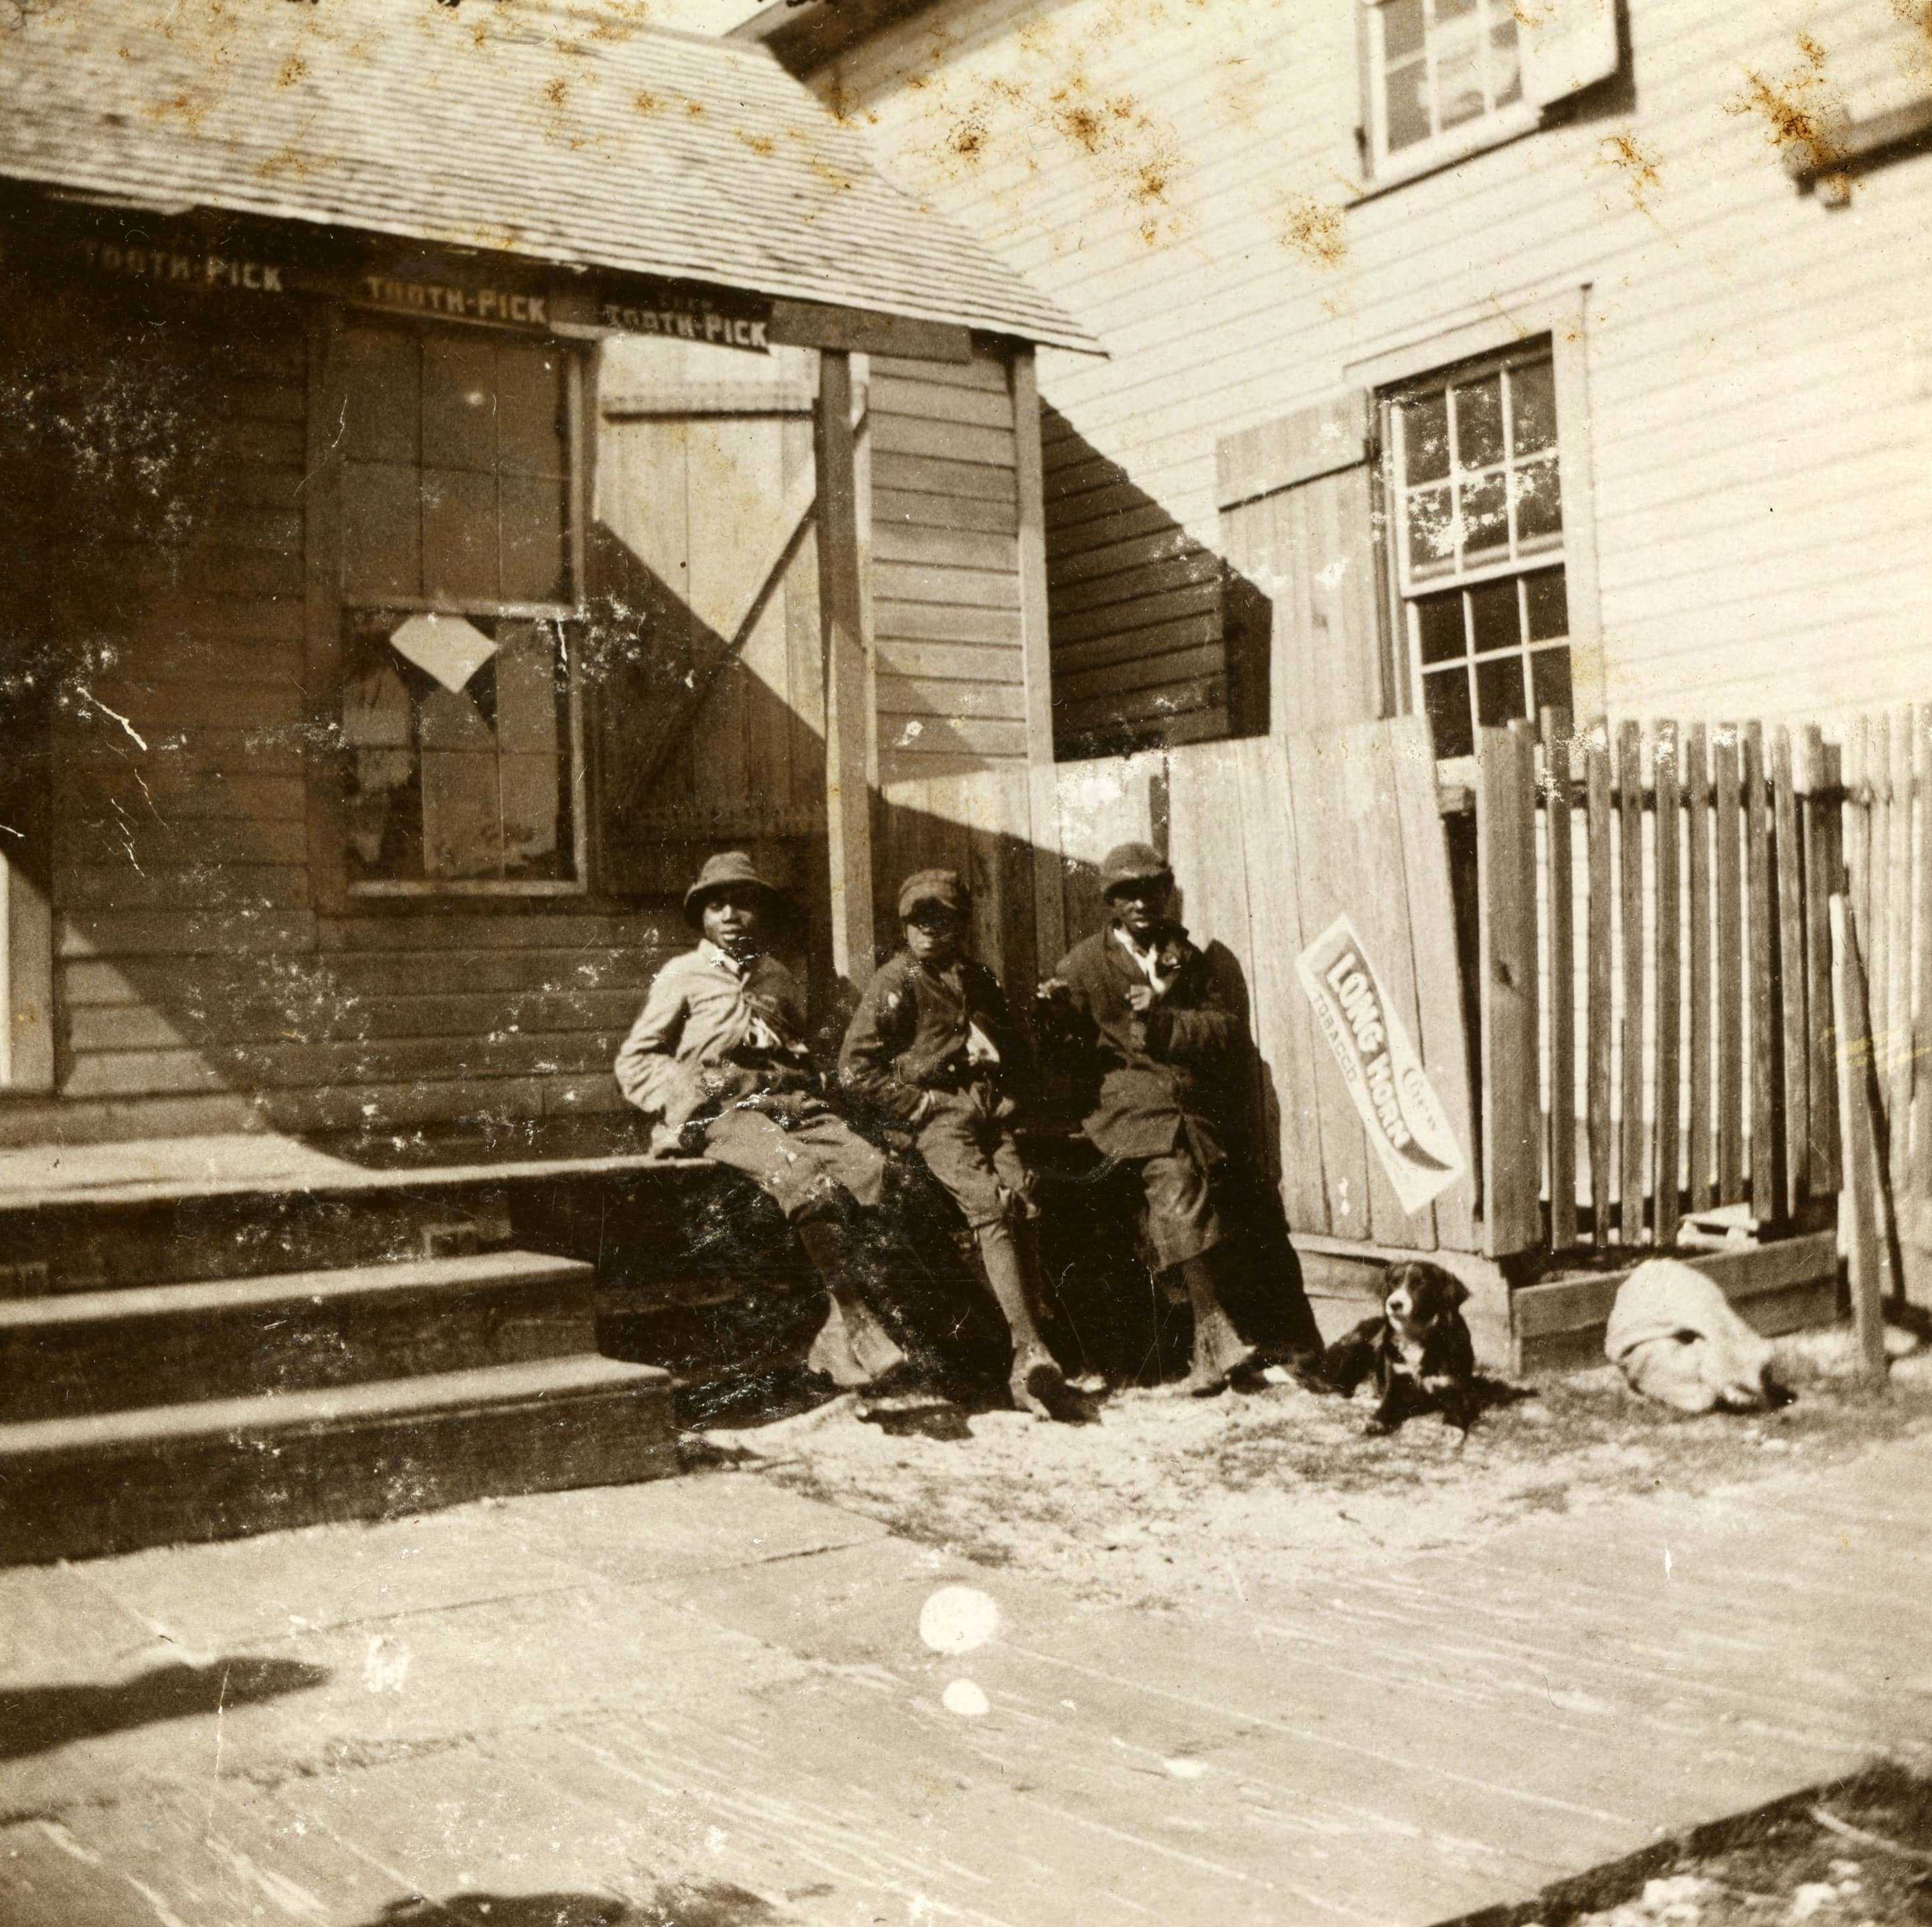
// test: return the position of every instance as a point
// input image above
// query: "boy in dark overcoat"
(717, 1060)
(1137, 1001)
(933, 1049)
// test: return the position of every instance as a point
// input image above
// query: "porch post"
(848, 802)
(26, 906)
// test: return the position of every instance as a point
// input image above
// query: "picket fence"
(1655, 971)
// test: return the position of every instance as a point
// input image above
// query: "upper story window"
(1442, 78)
(1439, 70)
(1480, 573)
(459, 721)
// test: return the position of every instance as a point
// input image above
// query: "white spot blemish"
(386, 1665)
(957, 1619)
(1335, 574)
(714, 1838)
(1185, 1770)
(1667, 1562)
(966, 1700)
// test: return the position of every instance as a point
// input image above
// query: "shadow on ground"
(704, 1903)
(35, 1719)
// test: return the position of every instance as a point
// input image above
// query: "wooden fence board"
(1823, 875)
(1562, 991)
(1669, 989)
(1632, 1134)
(1377, 769)
(1730, 924)
(1796, 1060)
(1896, 1078)
(1764, 1128)
(1440, 1009)
(1327, 888)
(1512, 1120)
(1697, 793)
(1920, 1187)
(1599, 1012)
(1284, 1031)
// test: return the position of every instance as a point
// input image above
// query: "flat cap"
(1131, 863)
(732, 868)
(943, 887)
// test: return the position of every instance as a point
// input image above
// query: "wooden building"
(1662, 265)
(456, 463)
(1467, 362)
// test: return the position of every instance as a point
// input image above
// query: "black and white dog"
(1418, 1352)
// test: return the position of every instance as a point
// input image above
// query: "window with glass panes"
(456, 715)
(1436, 68)
(1478, 502)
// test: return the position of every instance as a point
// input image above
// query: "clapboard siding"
(196, 987)
(1760, 399)
(1113, 556)
(944, 581)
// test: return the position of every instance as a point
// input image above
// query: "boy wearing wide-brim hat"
(717, 1060)
(1137, 1001)
(933, 1049)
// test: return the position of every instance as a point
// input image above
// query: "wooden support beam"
(847, 717)
(26, 979)
(1851, 1012)
(1049, 900)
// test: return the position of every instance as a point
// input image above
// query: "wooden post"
(1633, 1136)
(1602, 1149)
(1798, 1180)
(848, 803)
(26, 979)
(1506, 884)
(1859, 1202)
(1766, 1122)
(1703, 1100)
(1557, 800)
(1042, 781)
(1669, 966)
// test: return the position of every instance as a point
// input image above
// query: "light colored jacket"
(699, 1010)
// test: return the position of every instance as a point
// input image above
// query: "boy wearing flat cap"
(1136, 1000)
(933, 1049)
(717, 1060)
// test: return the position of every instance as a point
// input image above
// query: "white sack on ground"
(1677, 1340)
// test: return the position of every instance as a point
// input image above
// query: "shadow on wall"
(1156, 638)
(36, 1719)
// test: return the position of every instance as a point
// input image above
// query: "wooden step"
(109, 1351)
(73, 1488)
(86, 1243)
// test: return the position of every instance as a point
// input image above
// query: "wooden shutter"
(1297, 499)
(1567, 45)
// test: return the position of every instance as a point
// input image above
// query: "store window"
(1481, 577)
(458, 597)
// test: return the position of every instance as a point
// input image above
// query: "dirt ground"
(1859, 1855)
(1170, 1502)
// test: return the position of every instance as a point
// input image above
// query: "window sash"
(1499, 119)
(573, 775)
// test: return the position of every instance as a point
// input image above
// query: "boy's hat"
(943, 887)
(731, 868)
(1132, 863)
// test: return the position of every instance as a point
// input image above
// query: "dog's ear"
(1445, 1281)
(1458, 1292)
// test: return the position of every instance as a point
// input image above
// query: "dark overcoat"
(1155, 1079)
(910, 1033)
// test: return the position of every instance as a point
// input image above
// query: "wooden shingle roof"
(567, 133)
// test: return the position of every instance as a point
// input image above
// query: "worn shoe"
(852, 1348)
(1038, 1385)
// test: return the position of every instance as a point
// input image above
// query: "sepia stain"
(759, 143)
(1803, 116)
(1640, 167)
(291, 71)
(1312, 230)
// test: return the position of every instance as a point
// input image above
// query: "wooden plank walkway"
(708, 1701)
